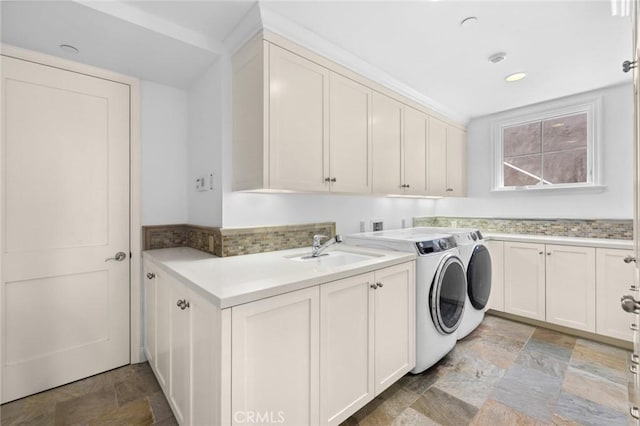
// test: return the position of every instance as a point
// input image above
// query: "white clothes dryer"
(477, 262)
(441, 288)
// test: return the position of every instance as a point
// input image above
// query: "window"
(554, 149)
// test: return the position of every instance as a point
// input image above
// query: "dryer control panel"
(435, 246)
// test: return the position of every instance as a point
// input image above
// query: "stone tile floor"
(508, 373)
(128, 395)
(504, 373)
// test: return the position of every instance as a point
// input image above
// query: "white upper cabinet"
(447, 163)
(387, 140)
(349, 136)
(304, 123)
(414, 151)
(298, 137)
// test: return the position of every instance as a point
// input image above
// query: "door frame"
(135, 291)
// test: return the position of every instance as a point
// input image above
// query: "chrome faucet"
(318, 248)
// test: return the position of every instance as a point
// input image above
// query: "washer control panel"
(435, 246)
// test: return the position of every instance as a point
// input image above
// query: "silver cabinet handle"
(380, 285)
(449, 189)
(119, 257)
(327, 179)
(629, 259)
(633, 368)
(151, 275)
(374, 286)
(629, 304)
(634, 412)
(182, 304)
(540, 252)
(634, 359)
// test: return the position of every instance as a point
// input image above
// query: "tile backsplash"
(224, 242)
(583, 228)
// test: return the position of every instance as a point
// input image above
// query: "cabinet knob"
(327, 179)
(380, 285)
(633, 287)
(629, 259)
(449, 189)
(182, 304)
(633, 327)
(540, 252)
(151, 275)
(374, 286)
(334, 180)
(548, 253)
(628, 65)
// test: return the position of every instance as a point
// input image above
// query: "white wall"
(614, 202)
(205, 147)
(163, 122)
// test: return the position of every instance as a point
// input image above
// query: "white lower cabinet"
(614, 278)
(274, 359)
(185, 346)
(571, 286)
(311, 356)
(524, 280)
(367, 338)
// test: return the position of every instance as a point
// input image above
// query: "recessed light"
(469, 22)
(515, 77)
(67, 48)
(497, 57)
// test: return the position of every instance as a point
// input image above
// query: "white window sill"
(548, 188)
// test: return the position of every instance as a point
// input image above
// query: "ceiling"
(566, 47)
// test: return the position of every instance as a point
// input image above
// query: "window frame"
(593, 109)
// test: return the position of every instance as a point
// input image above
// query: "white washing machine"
(477, 262)
(441, 288)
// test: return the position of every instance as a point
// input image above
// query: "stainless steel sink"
(335, 258)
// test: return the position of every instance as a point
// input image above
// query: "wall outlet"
(377, 225)
(200, 184)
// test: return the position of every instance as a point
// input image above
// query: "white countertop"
(567, 241)
(235, 280)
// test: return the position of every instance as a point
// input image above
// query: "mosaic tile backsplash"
(583, 228)
(224, 242)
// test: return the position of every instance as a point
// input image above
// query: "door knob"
(629, 304)
(182, 304)
(119, 257)
(627, 65)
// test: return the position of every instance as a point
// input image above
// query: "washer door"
(447, 295)
(479, 277)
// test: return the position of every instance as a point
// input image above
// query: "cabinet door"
(205, 399)
(456, 162)
(349, 135)
(414, 151)
(613, 279)
(179, 323)
(387, 137)
(149, 312)
(275, 359)
(298, 122)
(524, 279)
(346, 347)
(394, 324)
(571, 287)
(496, 298)
(437, 157)
(163, 337)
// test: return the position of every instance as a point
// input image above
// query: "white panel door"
(571, 286)
(387, 137)
(349, 135)
(275, 359)
(298, 122)
(394, 329)
(346, 347)
(614, 278)
(65, 205)
(524, 279)
(414, 151)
